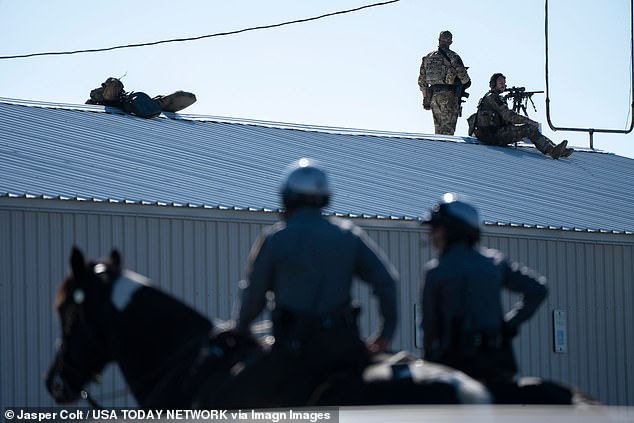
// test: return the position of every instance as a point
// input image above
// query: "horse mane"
(153, 335)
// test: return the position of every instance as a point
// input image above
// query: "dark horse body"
(172, 357)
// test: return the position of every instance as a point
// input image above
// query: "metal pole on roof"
(591, 131)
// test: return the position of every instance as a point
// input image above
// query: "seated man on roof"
(496, 124)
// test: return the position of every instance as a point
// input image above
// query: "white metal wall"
(199, 255)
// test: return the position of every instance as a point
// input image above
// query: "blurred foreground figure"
(308, 262)
(463, 322)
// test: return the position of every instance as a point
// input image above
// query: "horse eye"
(79, 296)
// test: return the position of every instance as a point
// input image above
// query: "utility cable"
(219, 34)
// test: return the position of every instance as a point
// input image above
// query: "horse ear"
(77, 263)
(115, 258)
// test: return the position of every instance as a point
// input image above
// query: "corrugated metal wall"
(590, 277)
(199, 255)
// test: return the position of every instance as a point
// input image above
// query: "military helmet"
(305, 184)
(445, 36)
(494, 79)
(455, 213)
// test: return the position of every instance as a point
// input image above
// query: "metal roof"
(102, 154)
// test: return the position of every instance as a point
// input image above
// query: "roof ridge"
(271, 124)
(228, 119)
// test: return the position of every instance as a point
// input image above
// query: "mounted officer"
(463, 322)
(443, 79)
(308, 262)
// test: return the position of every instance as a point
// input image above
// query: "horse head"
(111, 314)
(83, 350)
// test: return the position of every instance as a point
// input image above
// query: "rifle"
(520, 97)
(461, 93)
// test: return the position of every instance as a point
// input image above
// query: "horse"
(172, 357)
(162, 346)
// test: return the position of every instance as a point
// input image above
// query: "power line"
(219, 34)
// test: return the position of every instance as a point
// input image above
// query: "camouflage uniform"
(496, 124)
(442, 74)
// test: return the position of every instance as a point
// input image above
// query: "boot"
(557, 151)
(567, 152)
(176, 101)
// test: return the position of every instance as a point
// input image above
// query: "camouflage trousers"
(510, 134)
(445, 108)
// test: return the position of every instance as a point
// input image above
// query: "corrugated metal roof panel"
(91, 152)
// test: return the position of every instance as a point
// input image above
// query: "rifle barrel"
(520, 92)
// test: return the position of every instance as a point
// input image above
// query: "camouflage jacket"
(442, 68)
(493, 113)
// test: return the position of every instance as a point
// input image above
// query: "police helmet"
(305, 184)
(494, 79)
(459, 216)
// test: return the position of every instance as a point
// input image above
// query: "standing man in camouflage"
(495, 124)
(442, 80)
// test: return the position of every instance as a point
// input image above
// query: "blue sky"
(357, 70)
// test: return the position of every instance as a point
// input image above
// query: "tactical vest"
(437, 70)
(487, 118)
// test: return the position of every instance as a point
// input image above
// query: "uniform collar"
(304, 212)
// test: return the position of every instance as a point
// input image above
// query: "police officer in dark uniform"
(308, 261)
(463, 323)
